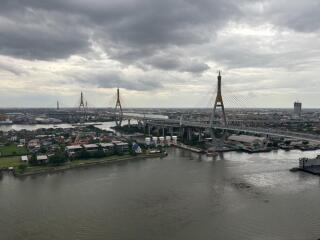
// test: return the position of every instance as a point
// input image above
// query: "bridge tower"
(82, 106)
(218, 103)
(118, 110)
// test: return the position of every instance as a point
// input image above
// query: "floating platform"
(190, 148)
(313, 170)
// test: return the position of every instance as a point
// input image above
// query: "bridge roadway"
(162, 122)
(252, 130)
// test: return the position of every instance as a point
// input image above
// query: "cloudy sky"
(160, 53)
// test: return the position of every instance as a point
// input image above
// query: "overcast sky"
(161, 53)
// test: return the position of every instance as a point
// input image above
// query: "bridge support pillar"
(189, 134)
(162, 131)
(182, 130)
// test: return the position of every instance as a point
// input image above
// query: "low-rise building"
(34, 143)
(121, 147)
(107, 147)
(24, 159)
(42, 159)
(73, 150)
(91, 147)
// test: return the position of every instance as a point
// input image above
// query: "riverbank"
(81, 164)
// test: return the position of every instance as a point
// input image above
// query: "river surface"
(183, 196)
(30, 127)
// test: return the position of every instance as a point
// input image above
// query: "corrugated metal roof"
(73, 147)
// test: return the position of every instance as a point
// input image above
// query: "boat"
(310, 165)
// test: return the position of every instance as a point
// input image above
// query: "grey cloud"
(117, 79)
(41, 35)
(173, 62)
(300, 16)
(16, 70)
(56, 29)
(180, 36)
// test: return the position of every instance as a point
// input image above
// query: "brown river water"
(183, 196)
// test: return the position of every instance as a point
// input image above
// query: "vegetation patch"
(6, 162)
(12, 150)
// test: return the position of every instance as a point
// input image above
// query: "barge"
(309, 165)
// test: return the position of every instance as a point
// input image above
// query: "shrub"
(58, 158)
(22, 168)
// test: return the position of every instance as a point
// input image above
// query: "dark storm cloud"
(128, 30)
(39, 34)
(138, 32)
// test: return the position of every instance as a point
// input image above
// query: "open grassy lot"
(6, 162)
(13, 150)
(79, 163)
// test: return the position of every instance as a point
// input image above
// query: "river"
(30, 127)
(183, 196)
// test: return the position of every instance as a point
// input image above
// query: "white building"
(24, 159)
(42, 158)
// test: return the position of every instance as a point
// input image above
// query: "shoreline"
(84, 164)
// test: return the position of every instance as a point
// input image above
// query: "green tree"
(58, 158)
(99, 153)
(22, 168)
(84, 154)
(33, 160)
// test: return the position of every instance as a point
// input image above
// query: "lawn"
(6, 162)
(71, 164)
(13, 150)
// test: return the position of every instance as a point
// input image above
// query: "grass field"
(79, 163)
(6, 162)
(13, 150)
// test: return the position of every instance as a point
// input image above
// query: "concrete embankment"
(190, 148)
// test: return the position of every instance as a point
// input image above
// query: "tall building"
(297, 108)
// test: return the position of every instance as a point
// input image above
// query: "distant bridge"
(167, 123)
(234, 125)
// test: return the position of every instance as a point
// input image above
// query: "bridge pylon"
(118, 110)
(218, 103)
(82, 106)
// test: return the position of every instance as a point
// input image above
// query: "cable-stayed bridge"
(216, 121)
